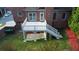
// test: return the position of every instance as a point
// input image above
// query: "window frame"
(42, 16)
(33, 20)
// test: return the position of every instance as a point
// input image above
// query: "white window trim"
(40, 16)
(32, 14)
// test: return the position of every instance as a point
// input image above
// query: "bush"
(74, 19)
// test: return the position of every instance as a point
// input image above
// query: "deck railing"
(34, 26)
(24, 22)
(39, 26)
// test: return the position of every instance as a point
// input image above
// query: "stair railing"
(24, 22)
(52, 28)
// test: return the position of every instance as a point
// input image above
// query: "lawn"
(15, 42)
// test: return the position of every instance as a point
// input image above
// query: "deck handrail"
(24, 22)
(34, 27)
(52, 28)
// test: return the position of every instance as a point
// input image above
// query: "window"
(64, 16)
(31, 16)
(19, 14)
(54, 16)
(41, 16)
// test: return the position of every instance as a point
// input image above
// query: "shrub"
(74, 19)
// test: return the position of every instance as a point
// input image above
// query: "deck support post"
(24, 36)
(45, 36)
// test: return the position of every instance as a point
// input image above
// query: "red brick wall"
(48, 15)
(59, 22)
(38, 15)
(24, 13)
(17, 18)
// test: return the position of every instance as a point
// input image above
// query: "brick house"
(55, 16)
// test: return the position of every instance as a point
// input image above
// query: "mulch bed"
(72, 39)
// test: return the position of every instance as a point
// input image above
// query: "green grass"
(15, 43)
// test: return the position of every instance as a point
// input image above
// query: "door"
(32, 16)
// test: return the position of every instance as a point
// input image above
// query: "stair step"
(52, 29)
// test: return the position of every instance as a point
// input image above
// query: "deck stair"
(51, 30)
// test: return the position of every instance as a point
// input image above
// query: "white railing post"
(51, 28)
(54, 30)
(22, 25)
(34, 28)
(24, 22)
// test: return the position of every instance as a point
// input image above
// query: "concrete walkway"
(72, 39)
(35, 36)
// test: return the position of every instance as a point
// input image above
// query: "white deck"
(38, 27)
(34, 26)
